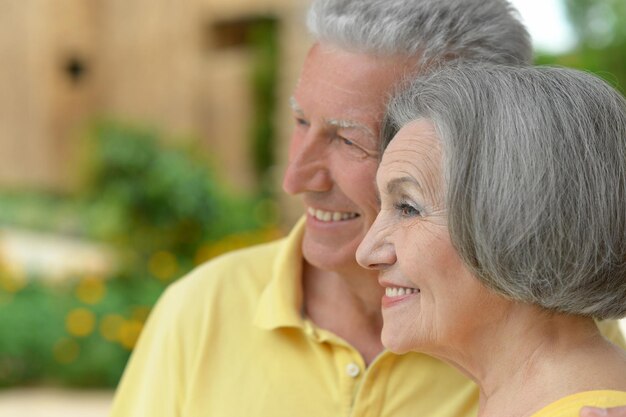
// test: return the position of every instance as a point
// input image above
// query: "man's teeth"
(398, 292)
(327, 216)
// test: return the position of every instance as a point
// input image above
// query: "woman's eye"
(407, 210)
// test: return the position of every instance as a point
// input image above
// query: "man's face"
(337, 107)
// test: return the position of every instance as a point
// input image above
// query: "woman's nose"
(376, 251)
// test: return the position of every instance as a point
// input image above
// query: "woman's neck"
(532, 358)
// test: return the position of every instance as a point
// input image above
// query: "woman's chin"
(401, 341)
(395, 344)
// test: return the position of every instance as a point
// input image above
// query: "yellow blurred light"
(66, 351)
(110, 327)
(203, 254)
(163, 265)
(80, 322)
(12, 280)
(271, 233)
(91, 290)
(140, 313)
(212, 250)
(235, 241)
(129, 333)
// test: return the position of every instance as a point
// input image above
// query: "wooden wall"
(151, 62)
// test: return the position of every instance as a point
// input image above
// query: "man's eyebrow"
(294, 105)
(395, 184)
(349, 124)
(340, 123)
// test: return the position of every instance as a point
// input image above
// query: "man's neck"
(347, 305)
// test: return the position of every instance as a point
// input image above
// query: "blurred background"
(140, 139)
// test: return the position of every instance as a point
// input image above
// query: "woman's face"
(432, 301)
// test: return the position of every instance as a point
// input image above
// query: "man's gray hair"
(431, 30)
(535, 174)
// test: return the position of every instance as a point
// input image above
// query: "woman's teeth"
(328, 216)
(398, 292)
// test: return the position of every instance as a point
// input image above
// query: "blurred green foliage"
(601, 40)
(264, 42)
(167, 196)
(54, 334)
(160, 210)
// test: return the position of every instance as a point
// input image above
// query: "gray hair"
(431, 30)
(535, 174)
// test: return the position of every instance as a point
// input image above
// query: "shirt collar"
(280, 303)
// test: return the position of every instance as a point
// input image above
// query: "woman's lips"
(396, 295)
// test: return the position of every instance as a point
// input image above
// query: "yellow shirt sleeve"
(570, 406)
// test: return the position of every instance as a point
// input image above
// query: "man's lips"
(331, 216)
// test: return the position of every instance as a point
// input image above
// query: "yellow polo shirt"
(570, 406)
(229, 340)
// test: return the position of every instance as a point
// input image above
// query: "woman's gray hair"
(535, 174)
(432, 30)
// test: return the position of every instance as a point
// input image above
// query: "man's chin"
(332, 258)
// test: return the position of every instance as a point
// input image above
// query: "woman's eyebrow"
(396, 184)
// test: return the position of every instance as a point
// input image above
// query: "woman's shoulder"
(570, 406)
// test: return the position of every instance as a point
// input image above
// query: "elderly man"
(292, 328)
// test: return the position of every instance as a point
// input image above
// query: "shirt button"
(353, 370)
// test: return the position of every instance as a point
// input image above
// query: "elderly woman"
(502, 233)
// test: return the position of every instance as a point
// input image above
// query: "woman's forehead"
(415, 152)
(416, 142)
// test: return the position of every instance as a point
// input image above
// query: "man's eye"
(407, 210)
(351, 148)
(354, 148)
(301, 122)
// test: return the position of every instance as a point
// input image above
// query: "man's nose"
(308, 168)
